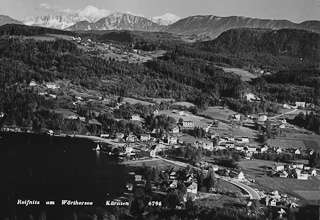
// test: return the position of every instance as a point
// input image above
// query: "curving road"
(252, 193)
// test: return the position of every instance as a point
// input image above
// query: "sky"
(293, 10)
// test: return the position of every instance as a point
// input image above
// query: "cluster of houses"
(276, 199)
(298, 171)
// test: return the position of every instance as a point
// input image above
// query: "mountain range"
(200, 25)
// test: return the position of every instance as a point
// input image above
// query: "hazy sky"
(294, 10)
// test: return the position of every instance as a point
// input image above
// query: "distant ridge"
(213, 26)
(7, 20)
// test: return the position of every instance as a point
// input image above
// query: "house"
(135, 117)
(131, 138)
(156, 112)
(277, 167)
(251, 150)
(244, 140)
(237, 117)
(297, 151)
(229, 144)
(174, 184)
(283, 174)
(173, 175)
(129, 150)
(144, 137)
(302, 176)
(262, 118)
(193, 188)
(207, 145)
(138, 178)
(272, 202)
(281, 213)
(53, 96)
(300, 104)
(52, 86)
(104, 135)
(278, 150)
(175, 130)
(239, 148)
(300, 166)
(313, 172)
(237, 175)
(263, 149)
(181, 113)
(33, 83)
(172, 140)
(188, 124)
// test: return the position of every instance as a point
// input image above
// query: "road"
(277, 116)
(252, 193)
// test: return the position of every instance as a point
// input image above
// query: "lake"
(47, 168)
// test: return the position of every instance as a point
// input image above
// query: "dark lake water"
(40, 167)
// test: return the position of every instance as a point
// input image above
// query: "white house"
(104, 135)
(53, 96)
(135, 117)
(297, 151)
(277, 167)
(138, 178)
(33, 83)
(52, 86)
(302, 176)
(174, 184)
(145, 137)
(188, 124)
(193, 188)
(237, 175)
(300, 104)
(284, 174)
(175, 130)
(239, 148)
(262, 118)
(273, 202)
(263, 149)
(229, 144)
(313, 172)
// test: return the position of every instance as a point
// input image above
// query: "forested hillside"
(277, 49)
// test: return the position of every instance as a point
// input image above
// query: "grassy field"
(244, 74)
(219, 112)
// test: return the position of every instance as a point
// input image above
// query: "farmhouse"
(263, 149)
(188, 124)
(283, 174)
(297, 151)
(144, 137)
